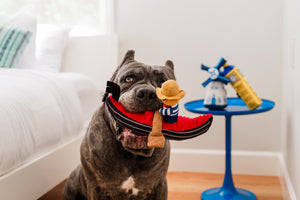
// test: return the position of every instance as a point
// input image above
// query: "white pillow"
(25, 19)
(50, 44)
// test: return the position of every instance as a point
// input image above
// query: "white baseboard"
(243, 162)
(287, 187)
(213, 161)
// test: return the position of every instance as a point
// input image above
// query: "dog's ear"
(129, 57)
(170, 64)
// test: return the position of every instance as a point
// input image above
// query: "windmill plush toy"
(215, 97)
(219, 76)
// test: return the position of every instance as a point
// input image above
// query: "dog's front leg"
(91, 192)
(161, 191)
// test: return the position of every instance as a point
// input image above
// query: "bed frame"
(35, 178)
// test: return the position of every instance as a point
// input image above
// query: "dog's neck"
(107, 118)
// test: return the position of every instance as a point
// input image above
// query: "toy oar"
(155, 137)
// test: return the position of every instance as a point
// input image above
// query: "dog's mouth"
(134, 143)
(131, 140)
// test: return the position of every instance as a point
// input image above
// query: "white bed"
(43, 117)
(45, 109)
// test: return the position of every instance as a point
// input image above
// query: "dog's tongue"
(131, 140)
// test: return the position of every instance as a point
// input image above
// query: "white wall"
(291, 92)
(94, 56)
(190, 32)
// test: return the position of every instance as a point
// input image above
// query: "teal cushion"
(12, 43)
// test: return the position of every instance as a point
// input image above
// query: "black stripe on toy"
(127, 122)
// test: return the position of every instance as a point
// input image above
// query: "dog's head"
(138, 82)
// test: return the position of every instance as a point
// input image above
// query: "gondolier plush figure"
(170, 94)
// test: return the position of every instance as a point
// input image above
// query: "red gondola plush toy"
(151, 123)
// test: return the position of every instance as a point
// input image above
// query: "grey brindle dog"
(116, 164)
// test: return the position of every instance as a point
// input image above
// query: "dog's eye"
(160, 82)
(128, 79)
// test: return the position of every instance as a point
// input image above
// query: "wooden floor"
(189, 186)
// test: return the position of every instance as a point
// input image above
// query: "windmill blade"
(205, 83)
(203, 67)
(223, 79)
(221, 63)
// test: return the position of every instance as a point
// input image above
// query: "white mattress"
(40, 111)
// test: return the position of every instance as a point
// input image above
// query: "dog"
(117, 164)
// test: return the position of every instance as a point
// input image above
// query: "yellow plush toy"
(170, 94)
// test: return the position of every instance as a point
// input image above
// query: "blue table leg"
(228, 191)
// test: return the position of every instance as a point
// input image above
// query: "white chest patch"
(128, 186)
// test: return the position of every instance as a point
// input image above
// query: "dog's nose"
(146, 95)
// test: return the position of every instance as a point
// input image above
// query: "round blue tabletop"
(235, 106)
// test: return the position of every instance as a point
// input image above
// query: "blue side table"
(235, 106)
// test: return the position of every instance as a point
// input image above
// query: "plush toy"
(241, 86)
(169, 94)
(156, 138)
(151, 123)
(215, 98)
(223, 73)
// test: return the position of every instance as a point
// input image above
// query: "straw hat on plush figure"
(216, 95)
